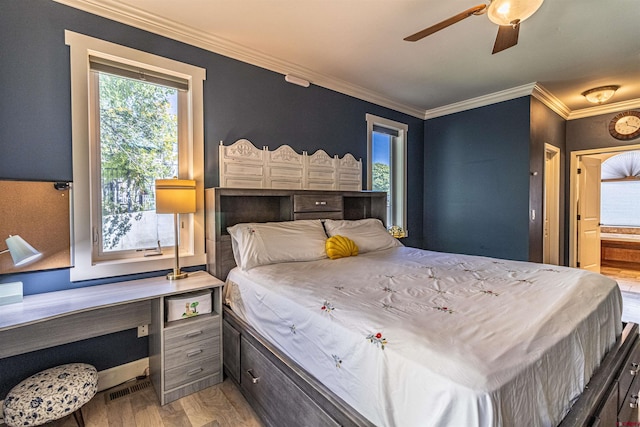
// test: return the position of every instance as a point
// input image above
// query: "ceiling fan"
(508, 14)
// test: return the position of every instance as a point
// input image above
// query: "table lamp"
(175, 196)
(21, 251)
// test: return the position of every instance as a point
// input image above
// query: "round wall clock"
(625, 125)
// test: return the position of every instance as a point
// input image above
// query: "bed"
(419, 338)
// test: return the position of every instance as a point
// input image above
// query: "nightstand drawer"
(191, 352)
(190, 372)
(317, 203)
(191, 331)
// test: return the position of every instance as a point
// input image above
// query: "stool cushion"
(50, 394)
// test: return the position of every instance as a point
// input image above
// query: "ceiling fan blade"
(507, 37)
(444, 24)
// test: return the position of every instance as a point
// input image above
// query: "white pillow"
(368, 234)
(257, 243)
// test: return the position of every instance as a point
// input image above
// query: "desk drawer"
(317, 203)
(315, 215)
(191, 352)
(190, 372)
(193, 330)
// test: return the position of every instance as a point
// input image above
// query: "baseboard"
(118, 374)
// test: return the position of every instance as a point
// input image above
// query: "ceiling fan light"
(599, 95)
(505, 12)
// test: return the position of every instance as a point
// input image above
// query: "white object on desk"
(188, 305)
(10, 293)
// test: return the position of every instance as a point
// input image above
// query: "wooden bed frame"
(284, 394)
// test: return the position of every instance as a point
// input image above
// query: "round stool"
(50, 395)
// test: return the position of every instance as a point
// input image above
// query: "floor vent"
(125, 391)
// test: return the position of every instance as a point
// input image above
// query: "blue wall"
(476, 180)
(468, 173)
(240, 101)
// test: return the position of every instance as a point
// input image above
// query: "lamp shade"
(175, 196)
(21, 251)
(505, 12)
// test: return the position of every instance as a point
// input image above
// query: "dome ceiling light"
(600, 95)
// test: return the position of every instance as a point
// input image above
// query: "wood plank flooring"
(627, 276)
(219, 406)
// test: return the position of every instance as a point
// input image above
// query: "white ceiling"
(356, 46)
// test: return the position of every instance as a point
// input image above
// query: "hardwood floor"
(627, 276)
(219, 406)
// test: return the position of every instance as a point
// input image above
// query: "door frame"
(551, 204)
(573, 193)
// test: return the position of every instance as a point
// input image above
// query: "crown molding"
(481, 101)
(119, 12)
(548, 99)
(604, 109)
(137, 18)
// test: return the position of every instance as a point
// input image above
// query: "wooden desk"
(55, 318)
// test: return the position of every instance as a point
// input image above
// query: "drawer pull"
(194, 371)
(254, 379)
(633, 402)
(194, 352)
(321, 203)
(194, 334)
(634, 369)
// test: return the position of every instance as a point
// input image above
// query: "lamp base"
(177, 275)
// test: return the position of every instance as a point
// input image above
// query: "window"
(620, 190)
(387, 165)
(136, 117)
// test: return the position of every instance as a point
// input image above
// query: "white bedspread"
(417, 338)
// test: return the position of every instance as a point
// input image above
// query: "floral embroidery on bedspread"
(437, 288)
(327, 307)
(337, 359)
(377, 339)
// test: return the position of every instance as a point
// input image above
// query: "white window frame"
(85, 265)
(398, 167)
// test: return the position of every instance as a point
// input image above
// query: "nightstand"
(185, 355)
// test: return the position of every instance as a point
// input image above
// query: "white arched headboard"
(242, 165)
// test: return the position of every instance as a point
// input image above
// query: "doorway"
(551, 205)
(576, 163)
(628, 278)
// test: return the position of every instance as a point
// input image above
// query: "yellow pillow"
(340, 246)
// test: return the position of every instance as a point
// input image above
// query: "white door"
(589, 214)
(551, 248)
